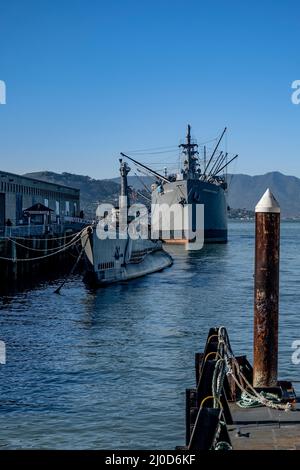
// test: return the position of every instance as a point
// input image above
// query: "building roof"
(57, 186)
(38, 209)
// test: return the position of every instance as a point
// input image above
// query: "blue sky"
(87, 79)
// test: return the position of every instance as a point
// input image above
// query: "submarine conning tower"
(124, 170)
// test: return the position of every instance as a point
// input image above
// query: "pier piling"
(266, 291)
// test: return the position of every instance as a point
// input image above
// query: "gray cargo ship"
(195, 184)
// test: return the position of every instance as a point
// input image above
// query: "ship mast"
(189, 150)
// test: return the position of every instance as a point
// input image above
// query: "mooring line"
(64, 248)
(252, 394)
(38, 239)
(57, 291)
(69, 243)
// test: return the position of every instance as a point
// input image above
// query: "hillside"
(244, 190)
(91, 190)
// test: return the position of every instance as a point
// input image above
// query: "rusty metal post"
(266, 291)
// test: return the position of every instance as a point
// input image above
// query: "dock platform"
(264, 428)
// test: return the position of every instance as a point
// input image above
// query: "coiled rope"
(254, 398)
(248, 402)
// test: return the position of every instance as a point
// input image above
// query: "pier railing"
(68, 223)
(30, 230)
(22, 231)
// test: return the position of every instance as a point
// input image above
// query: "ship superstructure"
(193, 185)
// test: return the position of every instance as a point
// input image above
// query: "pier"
(38, 221)
(34, 252)
(234, 405)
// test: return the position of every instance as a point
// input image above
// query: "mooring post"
(266, 291)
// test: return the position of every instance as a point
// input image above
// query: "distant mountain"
(137, 182)
(91, 190)
(244, 191)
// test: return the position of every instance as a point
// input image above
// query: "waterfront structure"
(18, 193)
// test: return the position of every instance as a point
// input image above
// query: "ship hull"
(115, 260)
(192, 192)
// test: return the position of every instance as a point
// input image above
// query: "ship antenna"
(189, 150)
(189, 135)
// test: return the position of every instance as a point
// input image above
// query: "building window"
(67, 208)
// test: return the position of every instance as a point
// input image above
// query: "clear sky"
(87, 79)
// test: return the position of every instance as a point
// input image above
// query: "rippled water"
(108, 368)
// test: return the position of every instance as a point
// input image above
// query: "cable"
(37, 239)
(153, 148)
(64, 248)
(43, 239)
(57, 291)
(152, 153)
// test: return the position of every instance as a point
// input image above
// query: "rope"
(212, 336)
(262, 399)
(57, 291)
(212, 352)
(43, 249)
(38, 239)
(248, 402)
(218, 380)
(223, 445)
(209, 397)
(64, 248)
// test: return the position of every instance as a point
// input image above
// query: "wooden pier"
(29, 254)
(264, 429)
(216, 417)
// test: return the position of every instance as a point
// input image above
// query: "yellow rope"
(212, 352)
(212, 336)
(210, 397)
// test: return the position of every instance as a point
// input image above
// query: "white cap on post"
(268, 203)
